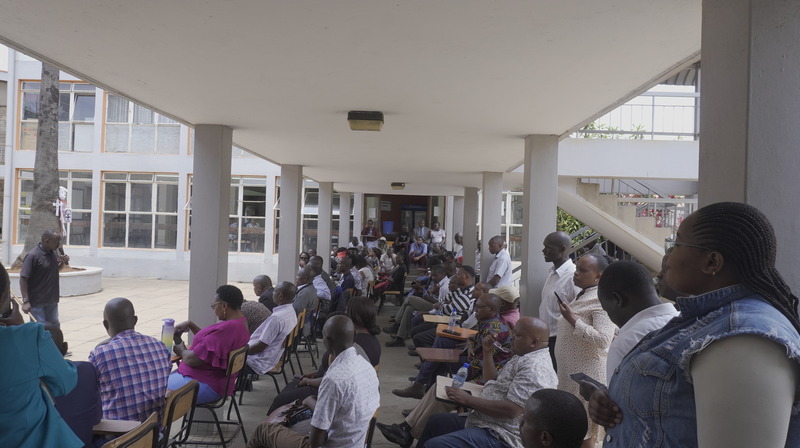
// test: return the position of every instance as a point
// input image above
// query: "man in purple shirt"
(132, 368)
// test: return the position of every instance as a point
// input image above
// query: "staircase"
(641, 236)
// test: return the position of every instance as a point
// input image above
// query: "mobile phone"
(582, 377)
(558, 297)
(449, 331)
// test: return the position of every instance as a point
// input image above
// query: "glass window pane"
(81, 197)
(140, 231)
(31, 85)
(84, 108)
(64, 136)
(113, 230)
(81, 174)
(252, 235)
(115, 176)
(141, 197)
(24, 218)
(169, 139)
(166, 178)
(30, 105)
(78, 86)
(117, 137)
(148, 177)
(117, 110)
(26, 193)
(83, 137)
(166, 232)
(114, 197)
(143, 139)
(63, 107)
(80, 228)
(27, 139)
(142, 115)
(167, 198)
(166, 120)
(233, 204)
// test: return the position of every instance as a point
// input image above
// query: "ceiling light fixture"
(365, 120)
(398, 185)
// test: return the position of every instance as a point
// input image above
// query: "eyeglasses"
(214, 305)
(672, 244)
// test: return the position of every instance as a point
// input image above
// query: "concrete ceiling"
(460, 82)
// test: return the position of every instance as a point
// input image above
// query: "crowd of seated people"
(614, 336)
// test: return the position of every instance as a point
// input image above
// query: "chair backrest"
(179, 403)
(301, 323)
(236, 361)
(142, 436)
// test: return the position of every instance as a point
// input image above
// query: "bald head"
(284, 293)
(262, 280)
(338, 333)
(119, 316)
(534, 327)
(559, 238)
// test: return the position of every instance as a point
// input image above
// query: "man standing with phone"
(559, 281)
(38, 280)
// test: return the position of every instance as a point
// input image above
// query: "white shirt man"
(558, 281)
(438, 236)
(347, 399)
(501, 265)
(272, 333)
(643, 322)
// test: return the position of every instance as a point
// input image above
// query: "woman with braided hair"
(724, 373)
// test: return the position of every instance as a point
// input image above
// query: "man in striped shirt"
(132, 368)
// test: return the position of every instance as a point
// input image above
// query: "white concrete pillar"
(540, 200)
(750, 101)
(344, 218)
(448, 222)
(324, 219)
(211, 186)
(289, 230)
(358, 214)
(458, 216)
(470, 225)
(491, 215)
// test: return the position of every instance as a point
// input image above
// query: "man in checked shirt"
(132, 368)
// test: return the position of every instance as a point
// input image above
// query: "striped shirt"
(460, 299)
(132, 371)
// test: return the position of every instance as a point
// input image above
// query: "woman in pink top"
(207, 360)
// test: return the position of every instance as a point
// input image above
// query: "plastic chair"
(236, 362)
(391, 293)
(142, 436)
(180, 405)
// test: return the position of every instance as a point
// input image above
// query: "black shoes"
(396, 434)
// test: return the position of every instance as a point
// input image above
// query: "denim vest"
(653, 385)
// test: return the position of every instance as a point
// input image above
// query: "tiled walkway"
(154, 300)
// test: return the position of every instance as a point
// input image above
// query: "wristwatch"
(25, 300)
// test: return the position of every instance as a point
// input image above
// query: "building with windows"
(477, 98)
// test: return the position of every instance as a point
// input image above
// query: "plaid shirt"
(132, 371)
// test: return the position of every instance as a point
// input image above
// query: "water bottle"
(168, 333)
(453, 318)
(461, 376)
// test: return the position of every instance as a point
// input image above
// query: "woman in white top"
(366, 273)
(584, 332)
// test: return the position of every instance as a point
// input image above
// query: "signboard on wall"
(386, 206)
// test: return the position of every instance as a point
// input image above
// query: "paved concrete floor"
(154, 300)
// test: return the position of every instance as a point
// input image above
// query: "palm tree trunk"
(45, 169)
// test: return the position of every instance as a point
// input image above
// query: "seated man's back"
(348, 398)
(132, 371)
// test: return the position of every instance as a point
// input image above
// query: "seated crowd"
(599, 364)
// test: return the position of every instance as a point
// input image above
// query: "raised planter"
(74, 283)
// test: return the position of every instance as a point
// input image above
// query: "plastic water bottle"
(168, 333)
(461, 376)
(453, 318)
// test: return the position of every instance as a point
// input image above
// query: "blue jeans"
(205, 394)
(47, 314)
(447, 431)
